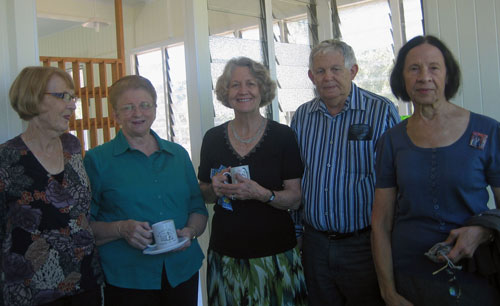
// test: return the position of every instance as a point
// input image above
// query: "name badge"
(478, 140)
(360, 132)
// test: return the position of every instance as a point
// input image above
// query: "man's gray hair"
(334, 45)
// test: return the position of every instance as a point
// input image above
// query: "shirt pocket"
(360, 157)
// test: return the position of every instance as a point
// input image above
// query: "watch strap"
(271, 198)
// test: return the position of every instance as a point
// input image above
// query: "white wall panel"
(431, 16)
(76, 10)
(159, 21)
(17, 50)
(85, 42)
(468, 57)
(9, 122)
(487, 30)
(148, 24)
(471, 29)
(80, 42)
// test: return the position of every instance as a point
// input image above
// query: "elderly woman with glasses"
(433, 171)
(139, 179)
(48, 253)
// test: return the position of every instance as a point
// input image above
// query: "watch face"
(272, 197)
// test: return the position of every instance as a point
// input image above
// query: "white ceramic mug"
(164, 233)
(241, 170)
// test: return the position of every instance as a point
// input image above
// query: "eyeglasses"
(65, 96)
(130, 108)
(454, 289)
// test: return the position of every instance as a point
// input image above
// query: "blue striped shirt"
(339, 177)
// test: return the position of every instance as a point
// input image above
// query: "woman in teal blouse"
(139, 179)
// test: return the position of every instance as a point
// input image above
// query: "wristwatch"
(271, 198)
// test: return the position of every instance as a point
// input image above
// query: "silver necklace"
(249, 140)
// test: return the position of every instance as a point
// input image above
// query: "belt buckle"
(333, 236)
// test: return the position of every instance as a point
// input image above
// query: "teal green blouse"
(126, 184)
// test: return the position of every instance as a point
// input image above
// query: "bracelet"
(194, 232)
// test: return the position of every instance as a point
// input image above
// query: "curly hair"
(453, 74)
(28, 89)
(267, 86)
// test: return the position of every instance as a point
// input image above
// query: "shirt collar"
(121, 144)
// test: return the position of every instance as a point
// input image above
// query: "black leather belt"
(337, 236)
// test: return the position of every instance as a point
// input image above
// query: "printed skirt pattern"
(271, 281)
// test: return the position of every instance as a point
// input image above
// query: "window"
(165, 68)
(149, 65)
(413, 18)
(292, 34)
(372, 43)
(233, 33)
(236, 30)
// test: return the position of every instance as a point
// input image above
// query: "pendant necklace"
(249, 140)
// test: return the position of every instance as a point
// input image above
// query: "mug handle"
(229, 178)
(152, 245)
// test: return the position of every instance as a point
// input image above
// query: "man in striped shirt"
(337, 133)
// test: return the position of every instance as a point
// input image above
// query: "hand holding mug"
(218, 182)
(165, 234)
(136, 233)
(187, 232)
(235, 174)
(245, 189)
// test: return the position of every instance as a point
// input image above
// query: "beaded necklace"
(249, 140)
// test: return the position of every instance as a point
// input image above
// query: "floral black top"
(47, 246)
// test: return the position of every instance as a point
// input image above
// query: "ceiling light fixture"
(94, 22)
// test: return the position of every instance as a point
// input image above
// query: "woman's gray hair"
(130, 82)
(334, 45)
(267, 86)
